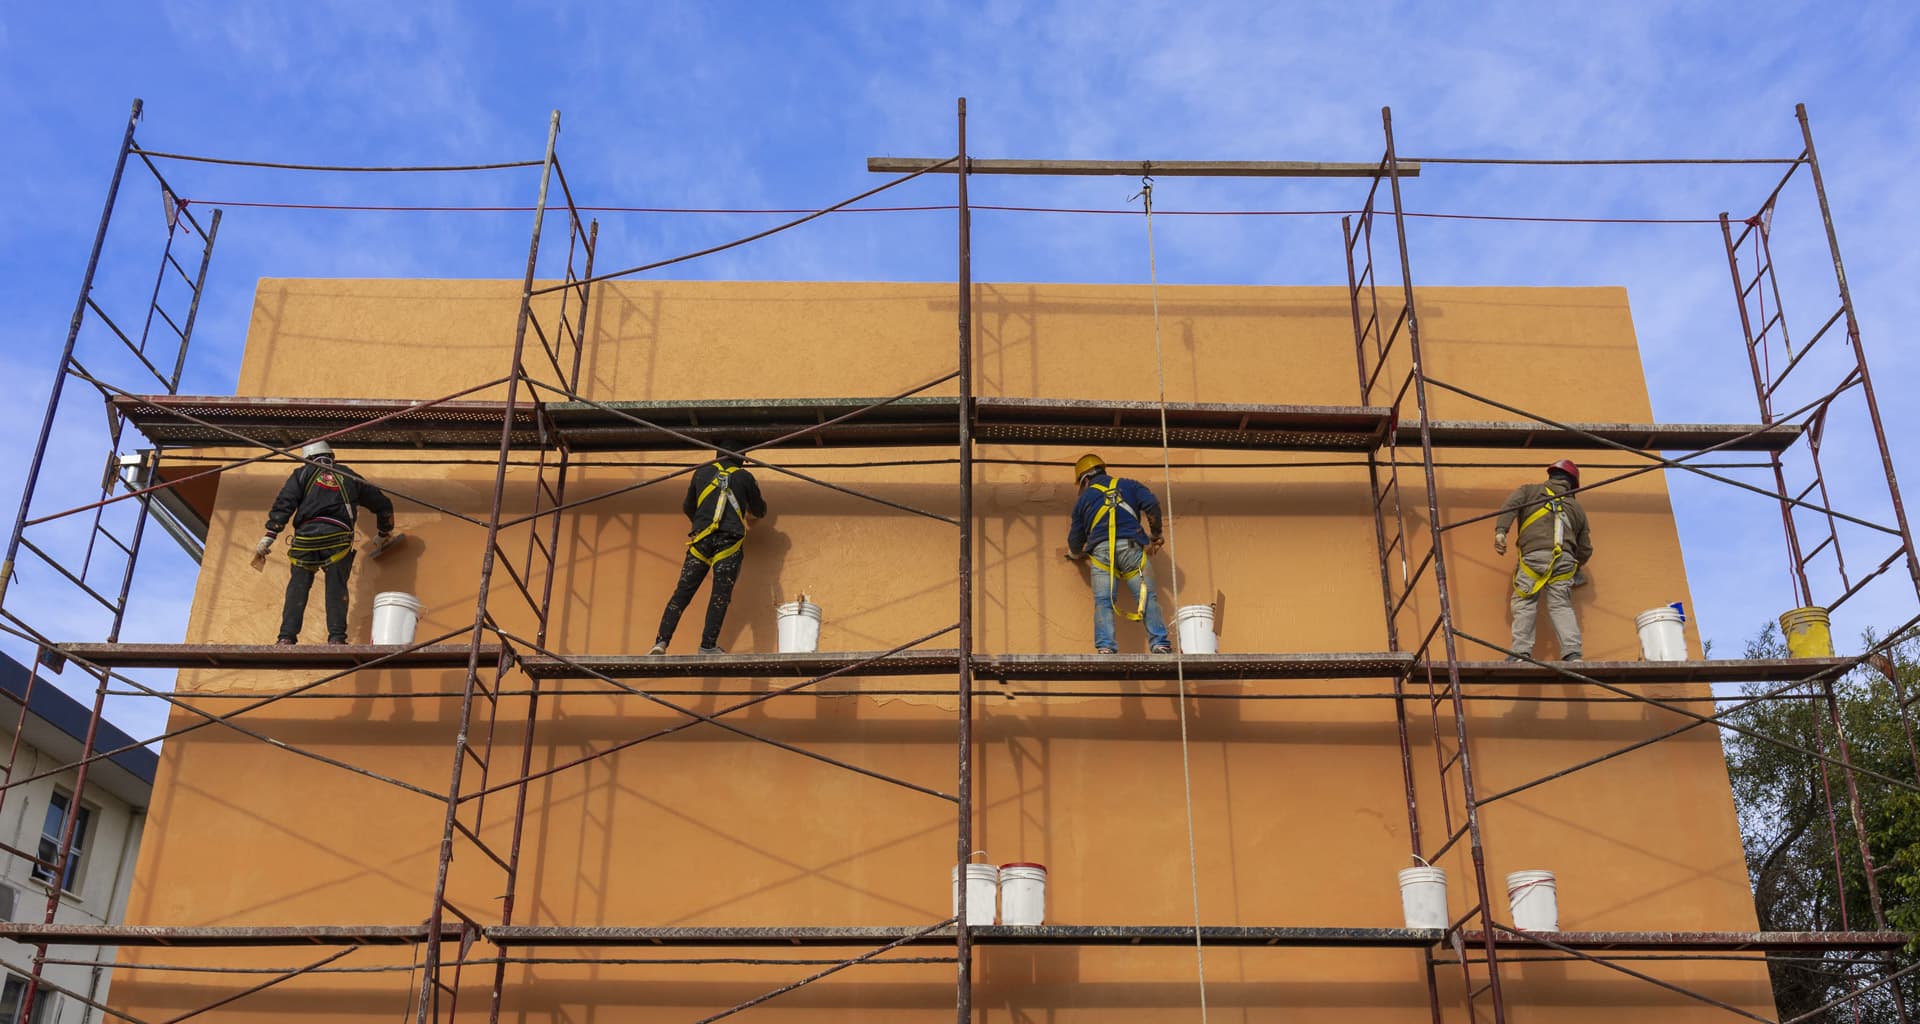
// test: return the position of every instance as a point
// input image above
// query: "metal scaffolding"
(545, 415)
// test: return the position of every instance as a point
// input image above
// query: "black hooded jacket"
(320, 498)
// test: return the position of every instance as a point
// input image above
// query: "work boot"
(336, 639)
(1162, 649)
(659, 647)
(1105, 650)
(1575, 656)
(1516, 657)
(285, 641)
(711, 650)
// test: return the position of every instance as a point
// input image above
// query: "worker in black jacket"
(319, 500)
(722, 498)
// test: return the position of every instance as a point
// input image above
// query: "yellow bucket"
(1807, 633)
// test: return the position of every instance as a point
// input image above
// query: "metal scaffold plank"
(920, 419)
(1339, 665)
(737, 666)
(1708, 942)
(218, 937)
(1665, 437)
(1001, 935)
(588, 936)
(1730, 670)
(917, 420)
(1228, 425)
(291, 422)
(287, 657)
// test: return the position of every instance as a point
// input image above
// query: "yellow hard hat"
(1088, 463)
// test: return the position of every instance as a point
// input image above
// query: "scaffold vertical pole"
(1407, 778)
(430, 983)
(1859, 350)
(507, 900)
(963, 847)
(39, 456)
(1435, 530)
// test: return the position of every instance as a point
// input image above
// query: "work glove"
(1154, 546)
(1499, 543)
(383, 537)
(1073, 556)
(260, 551)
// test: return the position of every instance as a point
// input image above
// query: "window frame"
(49, 847)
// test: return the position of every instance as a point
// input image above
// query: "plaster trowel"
(379, 548)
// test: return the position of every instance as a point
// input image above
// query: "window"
(45, 1004)
(50, 844)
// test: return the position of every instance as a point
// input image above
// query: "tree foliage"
(1798, 823)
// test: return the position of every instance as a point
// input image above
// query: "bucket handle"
(1423, 861)
(976, 853)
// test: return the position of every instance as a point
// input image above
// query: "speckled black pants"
(725, 574)
(300, 583)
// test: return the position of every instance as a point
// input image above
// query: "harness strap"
(720, 483)
(1111, 505)
(1528, 583)
(320, 549)
(345, 487)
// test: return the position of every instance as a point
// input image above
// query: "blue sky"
(776, 105)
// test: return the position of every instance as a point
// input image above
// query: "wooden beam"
(1157, 168)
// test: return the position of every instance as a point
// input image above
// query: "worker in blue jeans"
(1116, 527)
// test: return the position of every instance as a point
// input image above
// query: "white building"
(113, 811)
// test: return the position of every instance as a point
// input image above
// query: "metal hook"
(1146, 189)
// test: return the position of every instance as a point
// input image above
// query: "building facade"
(1298, 811)
(99, 875)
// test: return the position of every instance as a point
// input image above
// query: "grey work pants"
(1558, 597)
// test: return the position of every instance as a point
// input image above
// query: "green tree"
(1797, 821)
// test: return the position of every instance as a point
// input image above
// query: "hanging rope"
(1173, 564)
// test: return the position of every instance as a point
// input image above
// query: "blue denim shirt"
(1130, 527)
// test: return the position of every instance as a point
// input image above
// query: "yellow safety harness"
(1535, 582)
(321, 549)
(1110, 506)
(721, 503)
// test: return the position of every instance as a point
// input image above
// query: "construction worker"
(1116, 526)
(319, 499)
(1554, 548)
(722, 499)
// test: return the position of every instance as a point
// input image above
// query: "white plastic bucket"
(799, 627)
(395, 614)
(1423, 897)
(1023, 893)
(1534, 901)
(1661, 638)
(983, 884)
(1194, 622)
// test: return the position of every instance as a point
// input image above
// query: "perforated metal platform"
(1731, 670)
(1352, 665)
(919, 420)
(735, 666)
(292, 657)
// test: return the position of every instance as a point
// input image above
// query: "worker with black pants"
(1116, 526)
(1554, 549)
(722, 499)
(319, 500)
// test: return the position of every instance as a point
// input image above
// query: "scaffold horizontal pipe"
(1156, 168)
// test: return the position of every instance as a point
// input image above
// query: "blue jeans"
(1131, 556)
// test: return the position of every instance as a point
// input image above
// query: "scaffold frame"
(546, 415)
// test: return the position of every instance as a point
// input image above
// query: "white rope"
(1173, 565)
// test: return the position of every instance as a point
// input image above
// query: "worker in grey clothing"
(1554, 548)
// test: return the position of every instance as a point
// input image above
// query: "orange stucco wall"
(1298, 806)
